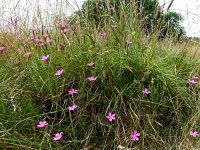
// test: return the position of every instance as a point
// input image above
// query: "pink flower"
(111, 116)
(42, 124)
(103, 34)
(44, 58)
(191, 81)
(194, 133)
(72, 91)
(39, 40)
(40, 44)
(45, 35)
(15, 19)
(38, 36)
(195, 77)
(59, 72)
(18, 37)
(72, 107)
(58, 136)
(28, 53)
(31, 37)
(135, 136)
(90, 64)
(146, 91)
(8, 26)
(62, 24)
(2, 48)
(48, 41)
(65, 30)
(92, 78)
(33, 28)
(129, 41)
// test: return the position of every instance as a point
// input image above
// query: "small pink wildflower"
(63, 24)
(15, 19)
(2, 48)
(38, 36)
(194, 133)
(90, 64)
(28, 53)
(72, 107)
(59, 72)
(42, 124)
(195, 77)
(40, 44)
(46, 35)
(191, 81)
(31, 37)
(45, 57)
(135, 136)
(111, 116)
(72, 91)
(65, 30)
(8, 26)
(39, 40)
(92, 78)
(33, 28)
(146, 91)
(129, 41)
(18, 37)
(103, 34)
(58, 136)
(48, 41)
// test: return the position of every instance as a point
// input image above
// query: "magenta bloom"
(44, 58)
(65, 30)
(62, 24)
(194, 133)
(2, 48)
(48, 41)
(191, 81)
(8, 26)
(39, 40)
(18, 37)
(72, 107)
(72, 91)
(58, 136)
(15, 19)
(42, 124)
(92, 78)
(59, 72)
(129, 42)
(33, 28)
(111, 116)
(40, 44)
(135, 136)
(103, 34)
(146, 91)
(28, 53)
(90, 64)
(45, 35)
(195, 77)
(31, 37)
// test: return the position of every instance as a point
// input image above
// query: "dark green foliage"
(149, 13)
(170, 25)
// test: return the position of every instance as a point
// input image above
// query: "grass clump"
(142, 93)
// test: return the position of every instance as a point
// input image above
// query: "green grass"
(30, 91)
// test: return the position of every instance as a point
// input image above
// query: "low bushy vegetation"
(83, 86)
